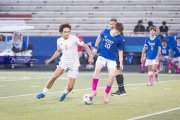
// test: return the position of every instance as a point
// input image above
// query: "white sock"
(45, 90)
(65, 91)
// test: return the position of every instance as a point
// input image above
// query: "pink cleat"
(93, 93)
(106, 97)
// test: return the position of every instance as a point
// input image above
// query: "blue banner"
(22, 59)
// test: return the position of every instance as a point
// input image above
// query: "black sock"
(119, 82)
(122, 81)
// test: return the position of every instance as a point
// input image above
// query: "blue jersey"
(177, 50)
(110, 45)
(152, 47)
(165, 50)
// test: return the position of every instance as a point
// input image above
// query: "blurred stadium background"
(39, 20)
(37, 23)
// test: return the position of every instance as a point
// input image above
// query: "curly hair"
(65, 25)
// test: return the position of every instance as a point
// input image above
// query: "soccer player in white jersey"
(153, 47)
(67, 45)
(111, 46)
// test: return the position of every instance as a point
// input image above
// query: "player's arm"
(98, 40)
(56, 54)
(143, 54)
(169, 53)
(159, 52)
(91, 60)
(120, 52)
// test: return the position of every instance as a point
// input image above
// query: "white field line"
(82, 89)
(84, 73)
(157, 113)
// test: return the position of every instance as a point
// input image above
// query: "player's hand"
(157, 59)
(168, 58)
(142, 59)
(94, 51)
(90, 60)
(47, 62)
(121, 67)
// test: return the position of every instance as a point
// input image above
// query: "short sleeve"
(78, 41)
(102, 34)
(146, 43)
(58, 46)
(159, 42)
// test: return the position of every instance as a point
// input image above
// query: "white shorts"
(176, 59)
(166, 57)
(151, 62)
(104, 61)
(72, 70)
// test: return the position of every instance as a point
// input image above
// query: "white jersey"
(69, 50)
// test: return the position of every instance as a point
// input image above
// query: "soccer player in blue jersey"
(111, 46)
(153, 47)
(176, 56)
(165, 54)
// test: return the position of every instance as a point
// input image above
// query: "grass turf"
(18, 102)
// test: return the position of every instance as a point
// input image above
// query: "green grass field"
(18, 101)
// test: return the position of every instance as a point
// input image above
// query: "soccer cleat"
(142, 72)
(150, 84)
(169, 71)
(40, 95)
(63, 96)
(117, 93)
(157, 81)
(106, 97)
(123, 93)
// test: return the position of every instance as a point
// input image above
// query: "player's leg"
(112, 70)
(150, 72)
(143, 67)
(119, 83)
(71, 82)
(159, 67)
(59, 71)
(155, 70)
(168, 64)
(118, 80)
(178, 67)
(72, 75)
(100, 63)
(173, 62)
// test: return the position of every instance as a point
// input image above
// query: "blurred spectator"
(164, 29)
(150, 24)
(139, 27)
(30, 46)
(158, 34)
(16, 44)
(2, 37)
(79, 47)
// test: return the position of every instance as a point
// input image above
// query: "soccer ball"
(89, 67)
(87, 100)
